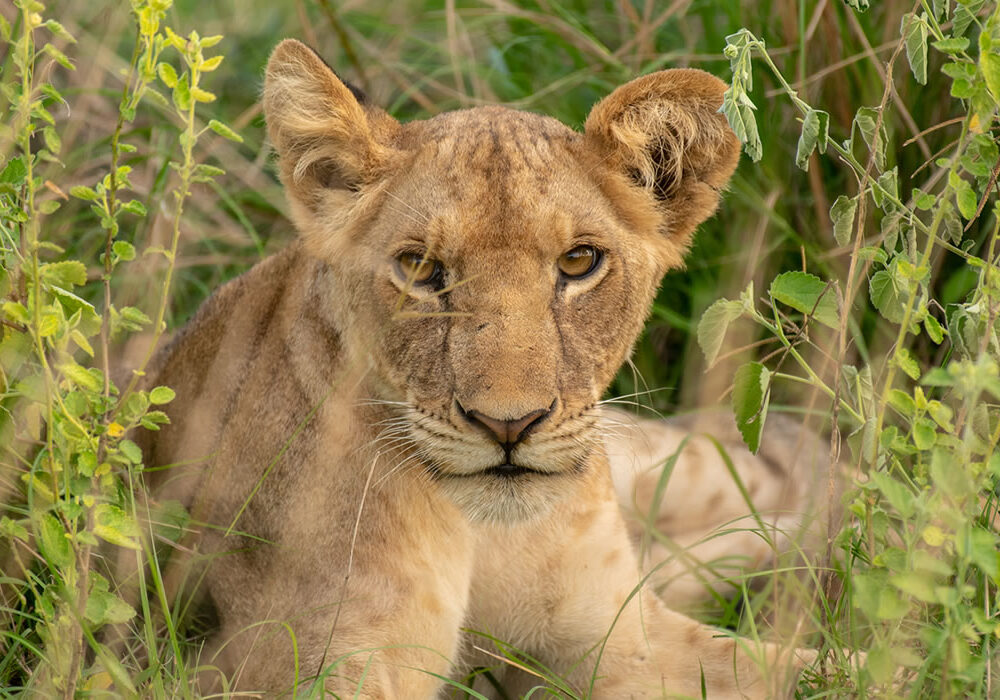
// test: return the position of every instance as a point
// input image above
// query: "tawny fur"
(340, 490)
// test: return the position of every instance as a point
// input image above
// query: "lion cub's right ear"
(331, 141)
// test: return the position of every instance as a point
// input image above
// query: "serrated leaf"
(114, 525)
(865, 120)
(55, 547)
(989, 64)
(182, 94)
(951, 45)
(924, 433)
(915, 584)
(124, 250)
(14, 172)
(914, 32)
(842, 215)
(52, 140)
(83, 192)
(907, 362)
(713, 324)
(210, 64)
(161, 395)
(134, 206)
(200, 95)
(933, 328)
(224, 131)
(885, 297)
(58, 56)
(131, 451)
(104, 607)
(809, 294)
(895, 492)
(80, 376)
(902, 402)
(815, 133)
(66, 273)
(81, 341)
(743, 123)
(749, 401)
(167, 74)
(965, 197)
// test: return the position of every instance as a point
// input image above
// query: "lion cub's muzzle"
(508, 432)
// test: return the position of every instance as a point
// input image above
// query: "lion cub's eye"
(418, 269)
(579, 261)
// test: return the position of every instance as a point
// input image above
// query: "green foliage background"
(883, 115)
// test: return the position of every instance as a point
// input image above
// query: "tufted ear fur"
(331, 141)
(664, 132)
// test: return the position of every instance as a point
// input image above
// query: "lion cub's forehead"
(491, 142)
(508, 177)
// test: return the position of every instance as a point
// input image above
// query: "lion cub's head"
(493, 267)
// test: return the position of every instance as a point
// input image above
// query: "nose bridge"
(504, 352)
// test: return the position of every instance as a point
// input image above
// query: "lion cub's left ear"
(664, 132)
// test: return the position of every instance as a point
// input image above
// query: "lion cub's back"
(205, 364)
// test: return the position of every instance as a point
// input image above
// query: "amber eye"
(417, 268)
(580, 261)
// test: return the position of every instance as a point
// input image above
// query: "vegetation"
(850, 277)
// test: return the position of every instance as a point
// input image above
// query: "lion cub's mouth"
(500, 471)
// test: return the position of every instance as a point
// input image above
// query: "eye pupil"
(417, 268)
(579, 261)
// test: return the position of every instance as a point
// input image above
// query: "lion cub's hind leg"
(690, 518)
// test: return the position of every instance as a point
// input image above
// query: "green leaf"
(989, 64)
(809, 294)
(134, 206)
(210, 64)
(815, 133)
(14, 172)
(55, 547)
(52, 140)
(744, 124)
(66, 274)
(842, 214)
(162, 395)
(167, 74)
(885, 297)
(749, 400)
(895, 492)
(103, 606)
(83, 192)
(124, 250)
(713, 324)
(907, 362)
(224, 131)
(951, 45)
(131, 451)
(182, 94)
(114, 525)
(933, 328)
(950, 474)
(83, 378)
(924, 433)
(865, 121)
(953, 229)
(914, 32)
(59, 57)
(965, 197)
(902, 402)
(916, 585)
(859, 5)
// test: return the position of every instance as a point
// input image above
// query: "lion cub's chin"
(499, 499)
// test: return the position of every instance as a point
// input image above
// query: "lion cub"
(390, 429)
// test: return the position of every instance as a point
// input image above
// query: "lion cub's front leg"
(375, 617)
(567, 594)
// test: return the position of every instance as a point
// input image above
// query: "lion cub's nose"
(507, 432)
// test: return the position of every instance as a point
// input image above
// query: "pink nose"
(507, 432)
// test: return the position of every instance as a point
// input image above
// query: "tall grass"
(912, 577)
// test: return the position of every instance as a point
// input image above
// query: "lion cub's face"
(494, 267)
